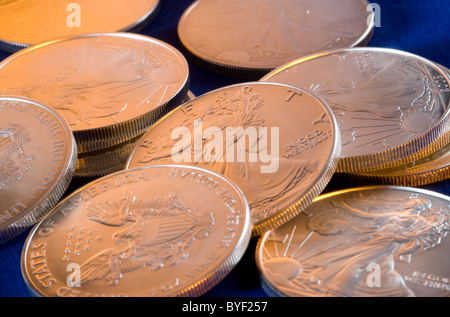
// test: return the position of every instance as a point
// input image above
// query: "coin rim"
(419, 177)
(195, 289)
(52, 195)
(419, 147)
(106, 164)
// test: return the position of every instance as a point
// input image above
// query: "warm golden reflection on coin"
(106, 161)
(430, 169)
(37, 161)
(30, 22)
(248, 38)
(376, 241)
(154, 231)
(392, 107)
(109, 87)
(279, 144)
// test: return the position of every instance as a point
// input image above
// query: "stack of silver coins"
(175, 186)
(109, 87)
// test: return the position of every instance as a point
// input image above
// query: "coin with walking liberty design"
(38, 155)
(153, 231)
(249, 38)
(30, 22)
(109, 87)
(432, 168)
(392, 107)
(369, 241)
(278, 143)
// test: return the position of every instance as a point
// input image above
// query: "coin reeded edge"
(109, 136)
(418, 179)
(418, 148)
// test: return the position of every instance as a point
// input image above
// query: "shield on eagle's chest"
(8, 164)
(163, 229)
(5, 142)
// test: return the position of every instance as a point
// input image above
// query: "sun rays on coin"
(283, 264)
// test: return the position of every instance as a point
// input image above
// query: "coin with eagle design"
(154, 231)
(37, 161)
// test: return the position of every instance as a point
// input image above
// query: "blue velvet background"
(419, 27)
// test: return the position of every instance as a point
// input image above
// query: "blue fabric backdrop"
(419, 27)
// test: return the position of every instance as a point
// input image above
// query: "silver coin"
(279, 144)
(109, 87)
(369, 241)
(249, 38)
(391, 106)
(30, 22)
(38, 155)
(154, 231)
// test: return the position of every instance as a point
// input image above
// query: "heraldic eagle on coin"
(161, 230)
(14, 162)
